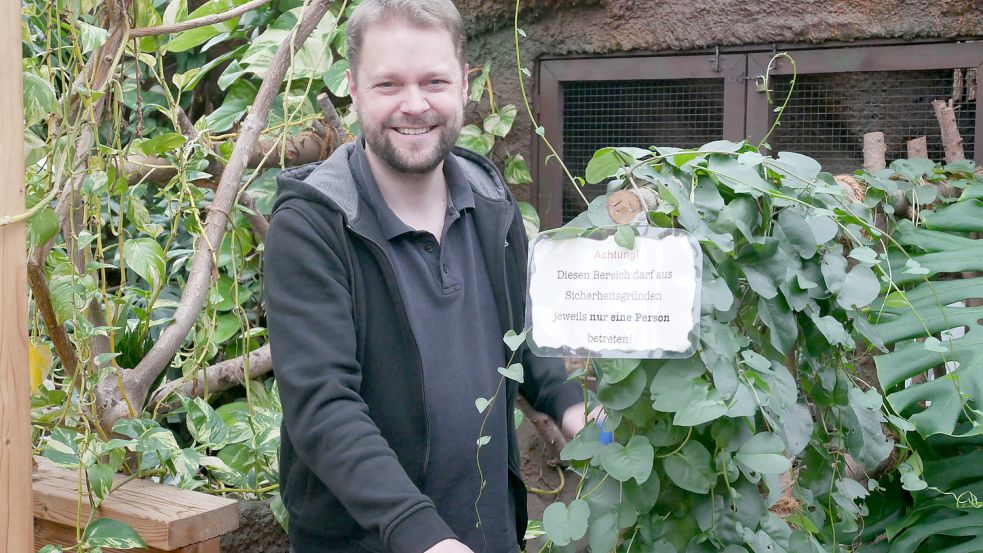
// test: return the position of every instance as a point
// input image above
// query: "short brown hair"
(426, 13)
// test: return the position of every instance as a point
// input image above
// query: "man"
(393, 269)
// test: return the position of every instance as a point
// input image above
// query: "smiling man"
(393, 269)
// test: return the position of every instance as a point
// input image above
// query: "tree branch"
(544, 426)
(217, 378)
(139, 379)
(56, 332)
(197, 22)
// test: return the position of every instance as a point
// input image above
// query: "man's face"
(409, 90)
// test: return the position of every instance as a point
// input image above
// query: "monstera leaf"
(918, 322)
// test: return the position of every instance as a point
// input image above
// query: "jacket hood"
(330, 182)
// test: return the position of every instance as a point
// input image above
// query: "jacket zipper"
(423, 387)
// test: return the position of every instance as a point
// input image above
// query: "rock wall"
(604, 27)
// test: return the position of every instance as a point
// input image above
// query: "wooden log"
(167, 518)
(875, 152)
(918, 147)
(16, 532)
(952, 142)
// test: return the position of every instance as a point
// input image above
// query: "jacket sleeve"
(313, 341)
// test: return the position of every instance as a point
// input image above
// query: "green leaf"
(516, 170)
(202, 72)
(231, 74)
(39, 98)
(616, 370)
(585, 445)
(237, 100)
(205, 425)
(186, 40)
(514, 341)
(764, 454)
(109, 533)
(623, 394)
(859, 289)
(43, 225)
(913, 169)
(530, 219)
(280, 512)
(564, 524)
(311, 61)
(51, 548)
(481, 404)
(796, 169)
(512, 372)
(625, 237)
(336, 78)
(690, 468)
(61, 448)
(146, 258)
(100, 480)
(864, 255)
(865, 439)
(604, 164)
(90, 37)
(162, 143)
(633, 460)
(477, 87)
(473, 138)
(483, 440)
(499, 124)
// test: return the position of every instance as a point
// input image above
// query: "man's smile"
(412, 131)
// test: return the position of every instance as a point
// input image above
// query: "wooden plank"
(165, 517)
(15, 418)
(50, 533)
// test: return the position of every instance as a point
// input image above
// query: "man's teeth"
(413, 131)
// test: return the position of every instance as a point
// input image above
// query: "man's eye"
(437, 82)
(386, 84)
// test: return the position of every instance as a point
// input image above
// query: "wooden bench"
(167, 518)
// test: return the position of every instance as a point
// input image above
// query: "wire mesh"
(829, 114)
(683, 113)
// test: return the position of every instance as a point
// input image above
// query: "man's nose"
(414, 101)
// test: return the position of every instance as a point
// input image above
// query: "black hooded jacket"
(355, 435)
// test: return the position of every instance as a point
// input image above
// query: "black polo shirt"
(452, 312)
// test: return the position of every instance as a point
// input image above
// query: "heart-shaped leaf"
(512, 372)
(631, 461)
(513, 340)
(481, 404)
(564, 524)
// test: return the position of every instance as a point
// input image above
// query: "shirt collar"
(459, 197)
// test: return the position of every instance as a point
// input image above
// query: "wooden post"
(952, 142)
(16, 524)
(918, 147)
(875, 152)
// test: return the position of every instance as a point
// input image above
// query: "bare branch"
(56, 332)
(139, 379)
(544, 426)
(333, 119)
(198, 22)
(217, 378)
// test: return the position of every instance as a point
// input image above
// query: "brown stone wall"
(596, 27)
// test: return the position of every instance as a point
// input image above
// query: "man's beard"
(380, 143)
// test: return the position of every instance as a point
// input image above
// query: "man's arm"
(312, 336)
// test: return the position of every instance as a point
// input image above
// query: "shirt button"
(428, 248)
(445, 268)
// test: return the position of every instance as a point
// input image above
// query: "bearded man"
(393, 269)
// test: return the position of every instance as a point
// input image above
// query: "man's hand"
(449, 546)
(573, 420)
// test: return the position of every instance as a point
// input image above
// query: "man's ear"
(465, 85)
(352, 90)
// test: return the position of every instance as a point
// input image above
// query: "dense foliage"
(770, 439)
